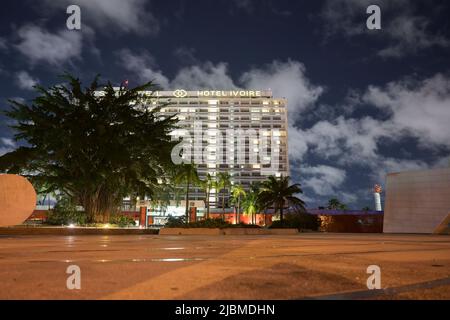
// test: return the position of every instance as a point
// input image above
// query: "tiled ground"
(310, 265)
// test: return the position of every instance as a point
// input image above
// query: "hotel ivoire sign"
(181, 93)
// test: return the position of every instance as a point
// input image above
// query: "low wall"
(33, 230)
(40, 215)
(352, 223)
(225, 231)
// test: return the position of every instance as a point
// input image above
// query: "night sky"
(361, 102)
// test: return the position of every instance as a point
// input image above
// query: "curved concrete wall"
(416, 201)
(17, 199)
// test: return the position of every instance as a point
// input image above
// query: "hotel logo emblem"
(180, 93)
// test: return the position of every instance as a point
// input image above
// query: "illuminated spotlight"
(71, 225)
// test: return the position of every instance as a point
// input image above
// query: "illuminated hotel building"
(242, 132)
(256, 114)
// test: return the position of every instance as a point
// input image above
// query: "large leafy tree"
(277, 193)
(95, 147)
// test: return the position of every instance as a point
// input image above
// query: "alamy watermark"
(73, 281)
(374, 280)
(73, 22)
(373, 22)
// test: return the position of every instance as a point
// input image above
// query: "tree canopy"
(278, 193)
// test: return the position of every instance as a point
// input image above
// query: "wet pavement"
(310, 265)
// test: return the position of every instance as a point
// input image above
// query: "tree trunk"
(281, 213)
(187, 201)
(99, 205)
(238, 211)
(223, 206)
(207, 203)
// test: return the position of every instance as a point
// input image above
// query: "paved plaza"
(308, 265)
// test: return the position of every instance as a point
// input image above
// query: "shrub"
(122, 220)
(65, 212)
(179, 222)
(209, 223)
(299, 221)
(176, 222)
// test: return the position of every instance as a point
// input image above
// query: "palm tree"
(278, 193)
(207, 184)
(250, 204)
(186, 175)
(335, 204)
(237, 191)
(223, 183)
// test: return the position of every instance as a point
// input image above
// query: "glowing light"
(377, 188)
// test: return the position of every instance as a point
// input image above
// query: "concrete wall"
(364, 223)
(416, 201)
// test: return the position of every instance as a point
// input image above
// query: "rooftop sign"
(181, 93)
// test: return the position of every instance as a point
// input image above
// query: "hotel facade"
(241, 132)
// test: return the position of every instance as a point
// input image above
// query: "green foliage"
(64, 213)
(209, 223)
(122, 220)
(176, 222)
(301, 221)
(96, 148)
(179, 222)
(251, 204)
